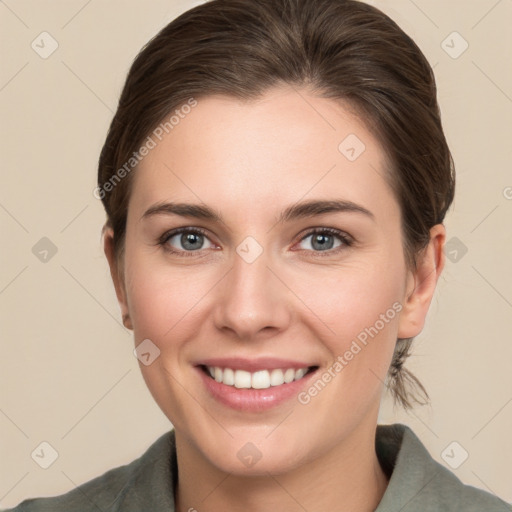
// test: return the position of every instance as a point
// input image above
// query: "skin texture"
(249, 161)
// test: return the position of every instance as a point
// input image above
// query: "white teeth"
(261, 379)
(229, 377)
(242, 379)
(289, 375)
(300, 373)
(276, 378)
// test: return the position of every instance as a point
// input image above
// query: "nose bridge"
(252, 299)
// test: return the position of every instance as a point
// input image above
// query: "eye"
(188, 241)
(185, 240)
(325, 240)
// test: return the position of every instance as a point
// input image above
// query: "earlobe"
(421, 284)
(127, 321)
(117, 275)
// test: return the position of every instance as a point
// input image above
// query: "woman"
(275, 180)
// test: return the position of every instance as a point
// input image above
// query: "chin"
(244, 455)
(255, 463)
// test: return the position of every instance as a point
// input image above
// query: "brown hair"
(340, 49)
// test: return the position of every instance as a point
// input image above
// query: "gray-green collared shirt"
(418, 483)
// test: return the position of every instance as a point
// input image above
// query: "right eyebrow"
(183, 209)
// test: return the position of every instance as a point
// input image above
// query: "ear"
(421, 284)
(117, 275)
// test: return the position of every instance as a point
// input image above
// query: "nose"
(252, 301)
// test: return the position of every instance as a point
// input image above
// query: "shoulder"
(144, 484)
(419, 483)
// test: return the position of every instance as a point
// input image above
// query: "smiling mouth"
(261, 379)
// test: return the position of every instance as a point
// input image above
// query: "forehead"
(286, 146)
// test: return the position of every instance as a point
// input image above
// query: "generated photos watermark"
(355, 348)
(150, 143)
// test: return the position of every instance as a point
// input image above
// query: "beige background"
(68, 374)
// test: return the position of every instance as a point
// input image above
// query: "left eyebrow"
(312, 208)
(296, 211)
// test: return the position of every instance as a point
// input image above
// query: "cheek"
(361, 305)
(165, 310)
(164, 305)
(162, 298)
(352, 298)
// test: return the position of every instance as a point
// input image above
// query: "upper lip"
(253, 365)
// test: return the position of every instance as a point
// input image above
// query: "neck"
(346, 478)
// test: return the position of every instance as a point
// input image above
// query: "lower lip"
(253, 400)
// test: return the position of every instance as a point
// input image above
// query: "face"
(261, 244)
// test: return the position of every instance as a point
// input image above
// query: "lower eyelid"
(326, 252)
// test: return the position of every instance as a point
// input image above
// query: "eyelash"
(346, 240)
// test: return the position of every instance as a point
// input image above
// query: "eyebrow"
(293, 212)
